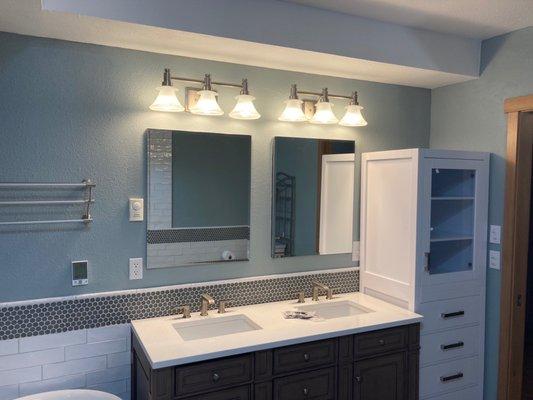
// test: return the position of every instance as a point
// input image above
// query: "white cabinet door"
(453, 220)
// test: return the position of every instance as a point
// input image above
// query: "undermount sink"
(207, 328)
(336, 309)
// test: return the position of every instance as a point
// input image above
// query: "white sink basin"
(207, 328)
(336, 309)
(71, 395)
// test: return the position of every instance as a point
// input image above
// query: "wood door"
(381, 378)
(515, 246)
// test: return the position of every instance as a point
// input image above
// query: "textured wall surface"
(470, 116)
(70, 111)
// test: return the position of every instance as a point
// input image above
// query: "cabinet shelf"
(451, 238)
(452, 198)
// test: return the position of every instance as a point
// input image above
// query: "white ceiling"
(479, 19)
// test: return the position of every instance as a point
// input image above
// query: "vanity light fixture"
(353, 116)
(323, 113)
(167, 99)
(207, 103)
(293, 109)
(244, 109)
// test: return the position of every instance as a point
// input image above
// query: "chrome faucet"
(206, 302)
(317, 286)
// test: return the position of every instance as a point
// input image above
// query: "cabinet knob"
(307, 357)
(216, 377)
(305, 391)
(381, 342)
(358, 379)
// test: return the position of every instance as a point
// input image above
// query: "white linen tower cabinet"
(423, 247)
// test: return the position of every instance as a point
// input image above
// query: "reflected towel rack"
(86, 184)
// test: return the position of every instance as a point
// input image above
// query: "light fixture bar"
(201, 81)
(334, 96)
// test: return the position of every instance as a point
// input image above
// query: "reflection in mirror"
(198, 198)
(313, 197)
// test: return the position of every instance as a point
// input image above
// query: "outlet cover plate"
(136, 268)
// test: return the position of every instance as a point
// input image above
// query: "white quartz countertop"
(165, 347)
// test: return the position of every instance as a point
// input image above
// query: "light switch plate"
(355, 251)
(495, 234)
(494, 259)
(136, 268)
(136, 206)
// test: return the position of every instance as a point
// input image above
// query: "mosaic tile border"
(41, 317)
(197, 234)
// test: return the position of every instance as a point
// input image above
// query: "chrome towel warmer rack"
(86, 184)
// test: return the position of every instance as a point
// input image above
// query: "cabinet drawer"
(442, 346)
(238, 393)
(447, 314)
(301, 356)
(471, 393)
(375, 343)
(212, 375)
(317, 385)
(449, 376)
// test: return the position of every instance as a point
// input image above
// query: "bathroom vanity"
(356, 347)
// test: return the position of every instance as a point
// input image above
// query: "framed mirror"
(198, 198)
(313, 197)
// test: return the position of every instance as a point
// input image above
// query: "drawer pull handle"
(307, 357)
(451, 346)
(452, 314)
(449, 378)
(305, 391)
(381, 342)
(216, 377)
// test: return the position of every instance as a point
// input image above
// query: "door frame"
(515, 238)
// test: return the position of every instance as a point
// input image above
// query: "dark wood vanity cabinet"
(377, 365)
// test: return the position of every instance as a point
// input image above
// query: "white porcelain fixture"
(80, 394)
(337, 309)
(208, 328)
(161, 337)
(423, 246)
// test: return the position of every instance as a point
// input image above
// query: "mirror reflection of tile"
(197, 212)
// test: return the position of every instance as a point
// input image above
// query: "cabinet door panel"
(382, 378)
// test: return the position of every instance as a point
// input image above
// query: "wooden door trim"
(514, 248)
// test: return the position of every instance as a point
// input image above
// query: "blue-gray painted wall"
(70, 111)
(470, 116)
(210, 180)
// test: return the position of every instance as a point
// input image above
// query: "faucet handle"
(222, 304)
(300, 297)
(185, 310)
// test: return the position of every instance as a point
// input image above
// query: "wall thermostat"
(79, 273)
(136, 209)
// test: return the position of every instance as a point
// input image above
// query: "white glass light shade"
(353, 116)
(167, 100)
(207, 104)
(324, 114)
(293, 111)
(244, 109)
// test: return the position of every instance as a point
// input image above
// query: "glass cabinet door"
(452, 220)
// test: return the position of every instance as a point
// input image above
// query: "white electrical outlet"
(136, 268)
